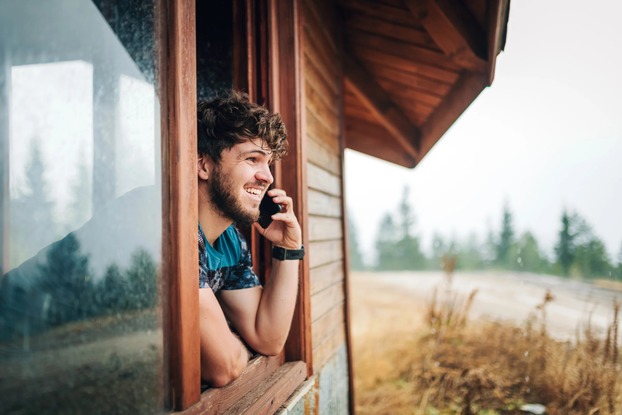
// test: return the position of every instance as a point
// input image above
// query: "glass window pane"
(81, 226)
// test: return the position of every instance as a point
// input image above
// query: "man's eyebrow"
(262, 152)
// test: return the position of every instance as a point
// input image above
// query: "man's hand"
(284, 230)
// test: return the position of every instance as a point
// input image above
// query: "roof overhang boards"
(460, 36)
(468, 39)
(378, 102)
(454, 29)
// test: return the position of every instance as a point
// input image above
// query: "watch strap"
(283, 254)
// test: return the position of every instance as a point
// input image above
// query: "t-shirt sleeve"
(242, 274)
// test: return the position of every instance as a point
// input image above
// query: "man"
(237, 142)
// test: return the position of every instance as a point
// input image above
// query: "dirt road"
(503, 296)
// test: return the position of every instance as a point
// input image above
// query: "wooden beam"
(455, 103)
(5, 136)
(388, 114)
(408, 34)
(396, 47)
(497, 26)
(180, 207)
(455, 30)
(363, 136)
(287, 95)
(219, 400)
(404, 63)
(376, 9)
(271, 393)
(422, 84)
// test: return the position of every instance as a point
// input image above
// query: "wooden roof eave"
(464, 42)
(387, 113)
(455, 30)
(455, 103)
(497, 29)
(470, 84)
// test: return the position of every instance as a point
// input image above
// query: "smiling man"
(237, 142)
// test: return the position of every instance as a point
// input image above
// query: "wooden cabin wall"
(322, 105)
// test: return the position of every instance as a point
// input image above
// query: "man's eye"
(251, 159)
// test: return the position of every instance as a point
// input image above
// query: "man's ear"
(204, 166)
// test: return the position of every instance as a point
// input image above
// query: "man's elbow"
(222, 378)
(269, 348)
(225, 372)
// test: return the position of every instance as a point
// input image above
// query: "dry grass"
(430, 359)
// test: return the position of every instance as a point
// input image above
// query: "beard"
(222, 194)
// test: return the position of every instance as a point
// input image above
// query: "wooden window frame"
(5, 101)
(268, 381)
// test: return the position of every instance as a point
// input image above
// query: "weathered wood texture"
(265, 385)
(323, 97)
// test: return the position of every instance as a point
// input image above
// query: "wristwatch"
(284, 254)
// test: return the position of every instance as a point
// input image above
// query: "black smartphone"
(267, 208)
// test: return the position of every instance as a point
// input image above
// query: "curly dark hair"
(231, 119)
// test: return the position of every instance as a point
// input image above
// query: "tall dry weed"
(459, 366)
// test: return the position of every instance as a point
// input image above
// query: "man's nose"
(265, 175)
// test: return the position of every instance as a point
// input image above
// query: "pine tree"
(506, 238)
(80, 208)
(527, 255)
(32, 225)
(143, 280)
(565, 248)
(408, 251)
(113, 292)
(579, 251)
(356, 259)
(385, 243)
(397, 247)
(66, 278)
(468, 254)
(591, 259)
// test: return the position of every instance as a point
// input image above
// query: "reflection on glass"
(80, 312)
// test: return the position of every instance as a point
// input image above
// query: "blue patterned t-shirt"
(227, 265)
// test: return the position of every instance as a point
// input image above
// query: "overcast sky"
(547, 135)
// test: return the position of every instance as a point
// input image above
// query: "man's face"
(238, 183)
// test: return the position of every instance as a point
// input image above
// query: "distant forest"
(578, 251)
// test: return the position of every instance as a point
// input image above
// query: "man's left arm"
(262, 316)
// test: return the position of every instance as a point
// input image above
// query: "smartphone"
(267, 208)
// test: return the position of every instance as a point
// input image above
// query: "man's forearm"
(277, 304)
(223, 356)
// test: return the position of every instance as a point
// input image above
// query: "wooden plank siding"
(323, 89)
(323, 180)
(323, 276)
(321, 155)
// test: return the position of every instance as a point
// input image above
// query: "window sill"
(264, 386)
